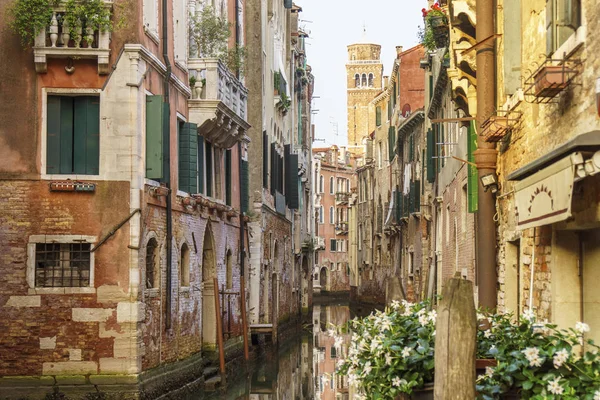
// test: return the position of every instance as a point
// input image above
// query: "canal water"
(302, 368)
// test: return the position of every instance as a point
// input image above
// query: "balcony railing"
(342, 197)
(219, 102)
(59, 40)
(341, 228)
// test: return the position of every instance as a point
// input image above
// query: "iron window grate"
(62, 264)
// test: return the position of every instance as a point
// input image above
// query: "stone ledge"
(10, 381)
(114, 379)
(71, 380)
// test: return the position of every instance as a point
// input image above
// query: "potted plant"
(391, 352)
(436, 27)
(538, 361)
(551, 80)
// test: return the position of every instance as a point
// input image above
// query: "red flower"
(424, 11)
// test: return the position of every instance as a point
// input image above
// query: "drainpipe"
(485, 156)
(167, 161)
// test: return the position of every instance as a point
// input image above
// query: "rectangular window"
(563, 17)
(73, 135)
(228, 177)
(332, 245)
(150, 11)
(321, 215)
(62, 264)
(333, 352)
(188, 157)
(201, 166)
(180, 31)
(209, 169)
(331, 215)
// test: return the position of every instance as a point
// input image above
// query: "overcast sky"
(333, 25)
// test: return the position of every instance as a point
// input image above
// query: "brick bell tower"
(364, 74)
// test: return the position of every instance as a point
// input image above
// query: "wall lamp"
(489, 181)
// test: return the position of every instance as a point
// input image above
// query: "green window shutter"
(201, 165)
(391, 142)
(154, 137)
(209, 168)
(245, 186)
(333, 244)
(472, 174)
(188, 158)
(411, 198)
(228, 177)
(430, 87)
(66, 135)
(405, 205)
(430, 155)
(417, 188)
(58, 124)
(265, 160)
(378, 116)
(274, 179)
(291, 182)
(86, 135)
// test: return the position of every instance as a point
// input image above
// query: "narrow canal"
(302, 367)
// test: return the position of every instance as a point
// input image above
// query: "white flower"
(338, 342)
(367, 369)
(489, 372)
(560, 357)
(532, 355)
(529, 314)
(406, 352)
(487, 334)
(423, 320)
(554, 387)
(432, 316)
(398, 382)
(582, 327)
(597, 395)
(331, 332)
(395, 304)
(480, 317)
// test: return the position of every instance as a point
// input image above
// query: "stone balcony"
(218, 104)
(57, 41)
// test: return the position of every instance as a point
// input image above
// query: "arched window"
(229, 271)
(370, 80)
(184, 266)
(152, 264)
(321, 184)
(331, 186)
(356, 80)
(331, 215)
(364, 80)
(321, 215)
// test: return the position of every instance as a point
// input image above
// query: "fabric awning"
(545, 196)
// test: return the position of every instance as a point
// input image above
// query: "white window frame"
(60, 239)
(44, 133)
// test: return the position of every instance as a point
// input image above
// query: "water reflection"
(302, 368)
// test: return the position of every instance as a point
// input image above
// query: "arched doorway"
(323, 278)
(209, 271)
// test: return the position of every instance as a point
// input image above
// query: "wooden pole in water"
(244, 318)
(219, 327)
(455, 342)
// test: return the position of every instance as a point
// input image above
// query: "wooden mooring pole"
(219, 327)
(244, 318)
(455, 342)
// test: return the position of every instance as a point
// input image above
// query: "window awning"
(544, 189)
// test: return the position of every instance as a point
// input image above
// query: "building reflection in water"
(303, 368)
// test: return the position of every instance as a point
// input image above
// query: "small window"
(333, 352)
(62, 264)
(152, 264)
(321, 215)
(331, 215)
(321, 184)
(356, 80)
(364, 80)
(331, 186)
(185, 265)
(370, 80)
(332, 246)
(563, 17)
(73, 135)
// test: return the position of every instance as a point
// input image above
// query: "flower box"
(551, 80)
(495, 128)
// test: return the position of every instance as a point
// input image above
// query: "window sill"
(151, 182)
(73, 177)
(576, 40)
(62, 290)
(152, 35)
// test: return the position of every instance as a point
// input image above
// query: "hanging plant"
(435, 33)
(28, 17)
(93, 14)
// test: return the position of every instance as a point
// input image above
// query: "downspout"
(167, 162)
(485, 156)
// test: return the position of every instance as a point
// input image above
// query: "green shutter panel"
(411, 198)
(265, 160)
(391, 132)
(472, 174)
(66, 135)
(53, 135)
(201, 166)
(228, 177)
(417, 196)
(274, 180)
(430, 155)
(405, 205)
(378, 116)
(245, 185)
(430, 87)
(188, 158)
(291, 182)
(208, 155)
(154, 137)
(86, 135)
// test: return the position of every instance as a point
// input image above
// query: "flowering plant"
(391, 352)
(434, 11)
(434, 34)
(537, 360)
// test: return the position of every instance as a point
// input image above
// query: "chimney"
(398, 51)
(386, 79)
